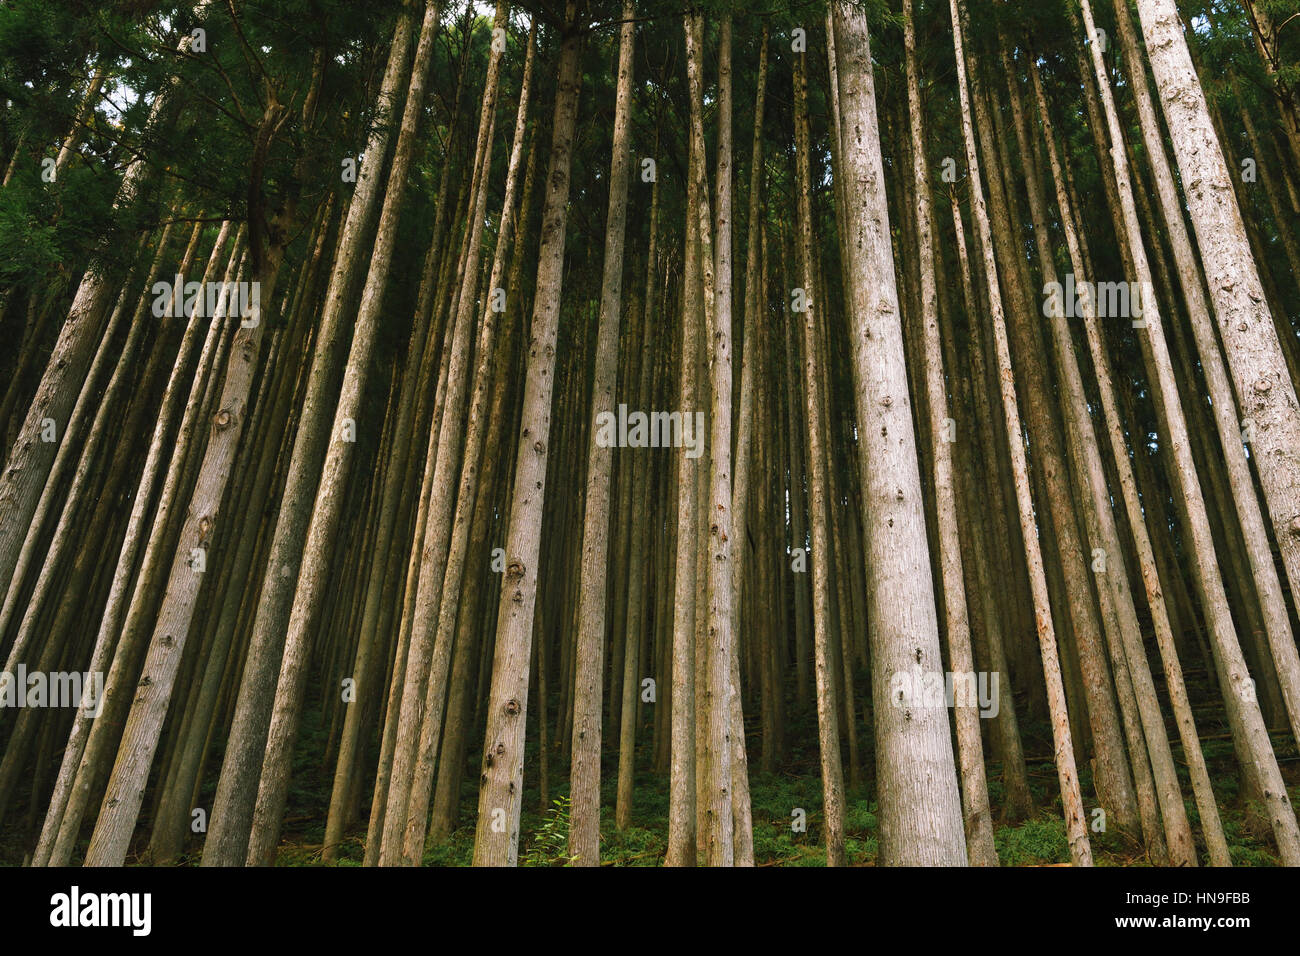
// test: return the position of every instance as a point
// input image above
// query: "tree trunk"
(974, 785)
(584, 828)
(232, 809)
(1265, 392)
(1240, 698)
(496, 838)
(914, 759)
(1072, 801)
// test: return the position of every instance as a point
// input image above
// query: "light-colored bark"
(1017, 800)
(471, 487)
(86, 749)
(742, 815)
(683, 728)
(232, 809)
(828, 735)
(323, 527)
(118, 813)
(961, 659)
(1067, 774)
(1240, 698)
(714, 692)
(424, 682)
(1143, 721)
(496, 838)
(1266, 394)
(584, 829)
(920, 803)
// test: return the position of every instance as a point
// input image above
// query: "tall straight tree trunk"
(425, 661)
(1223, 402)
(683, 729)
(1143, 723)
(121, 806)
(451, 765)
(321, 532)
(979, 449)
(975, 794)
(584, 829)
(232, 809)
(920, 803)
(644, 572)
(1265, 392)
(740, 811)
(828, 735)
(1250, 728)
(746, 450)
(472, 485)
(1072, 800)
(120, 630)
(1100, 685)
(496, 837)
(819, 496)
(714, 693)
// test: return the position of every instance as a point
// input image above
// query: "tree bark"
(920, 804)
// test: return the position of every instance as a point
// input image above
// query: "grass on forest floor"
(1037, 841)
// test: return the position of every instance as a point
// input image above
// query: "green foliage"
(549, 843)
(635, 846)
(1033, 843)
(457, 850)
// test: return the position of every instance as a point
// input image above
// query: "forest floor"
(1037, 841)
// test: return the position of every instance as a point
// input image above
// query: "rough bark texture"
(584, 830)
(496, 841)
(920, 805)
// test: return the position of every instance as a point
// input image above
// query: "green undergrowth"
(783, 837)
(788, 820)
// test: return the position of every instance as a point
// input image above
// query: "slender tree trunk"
(232, 810)
(914, 760)
(1265, 392)
(1076, 832)
(1017, 800)
(496, 839)
(584, 830)
(743, 836)
(121, 806)
(828, 736)
(1139, 705)
(120, 629)
(714, 692)
(975, 794)
(1240, 697)
(322, 530)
